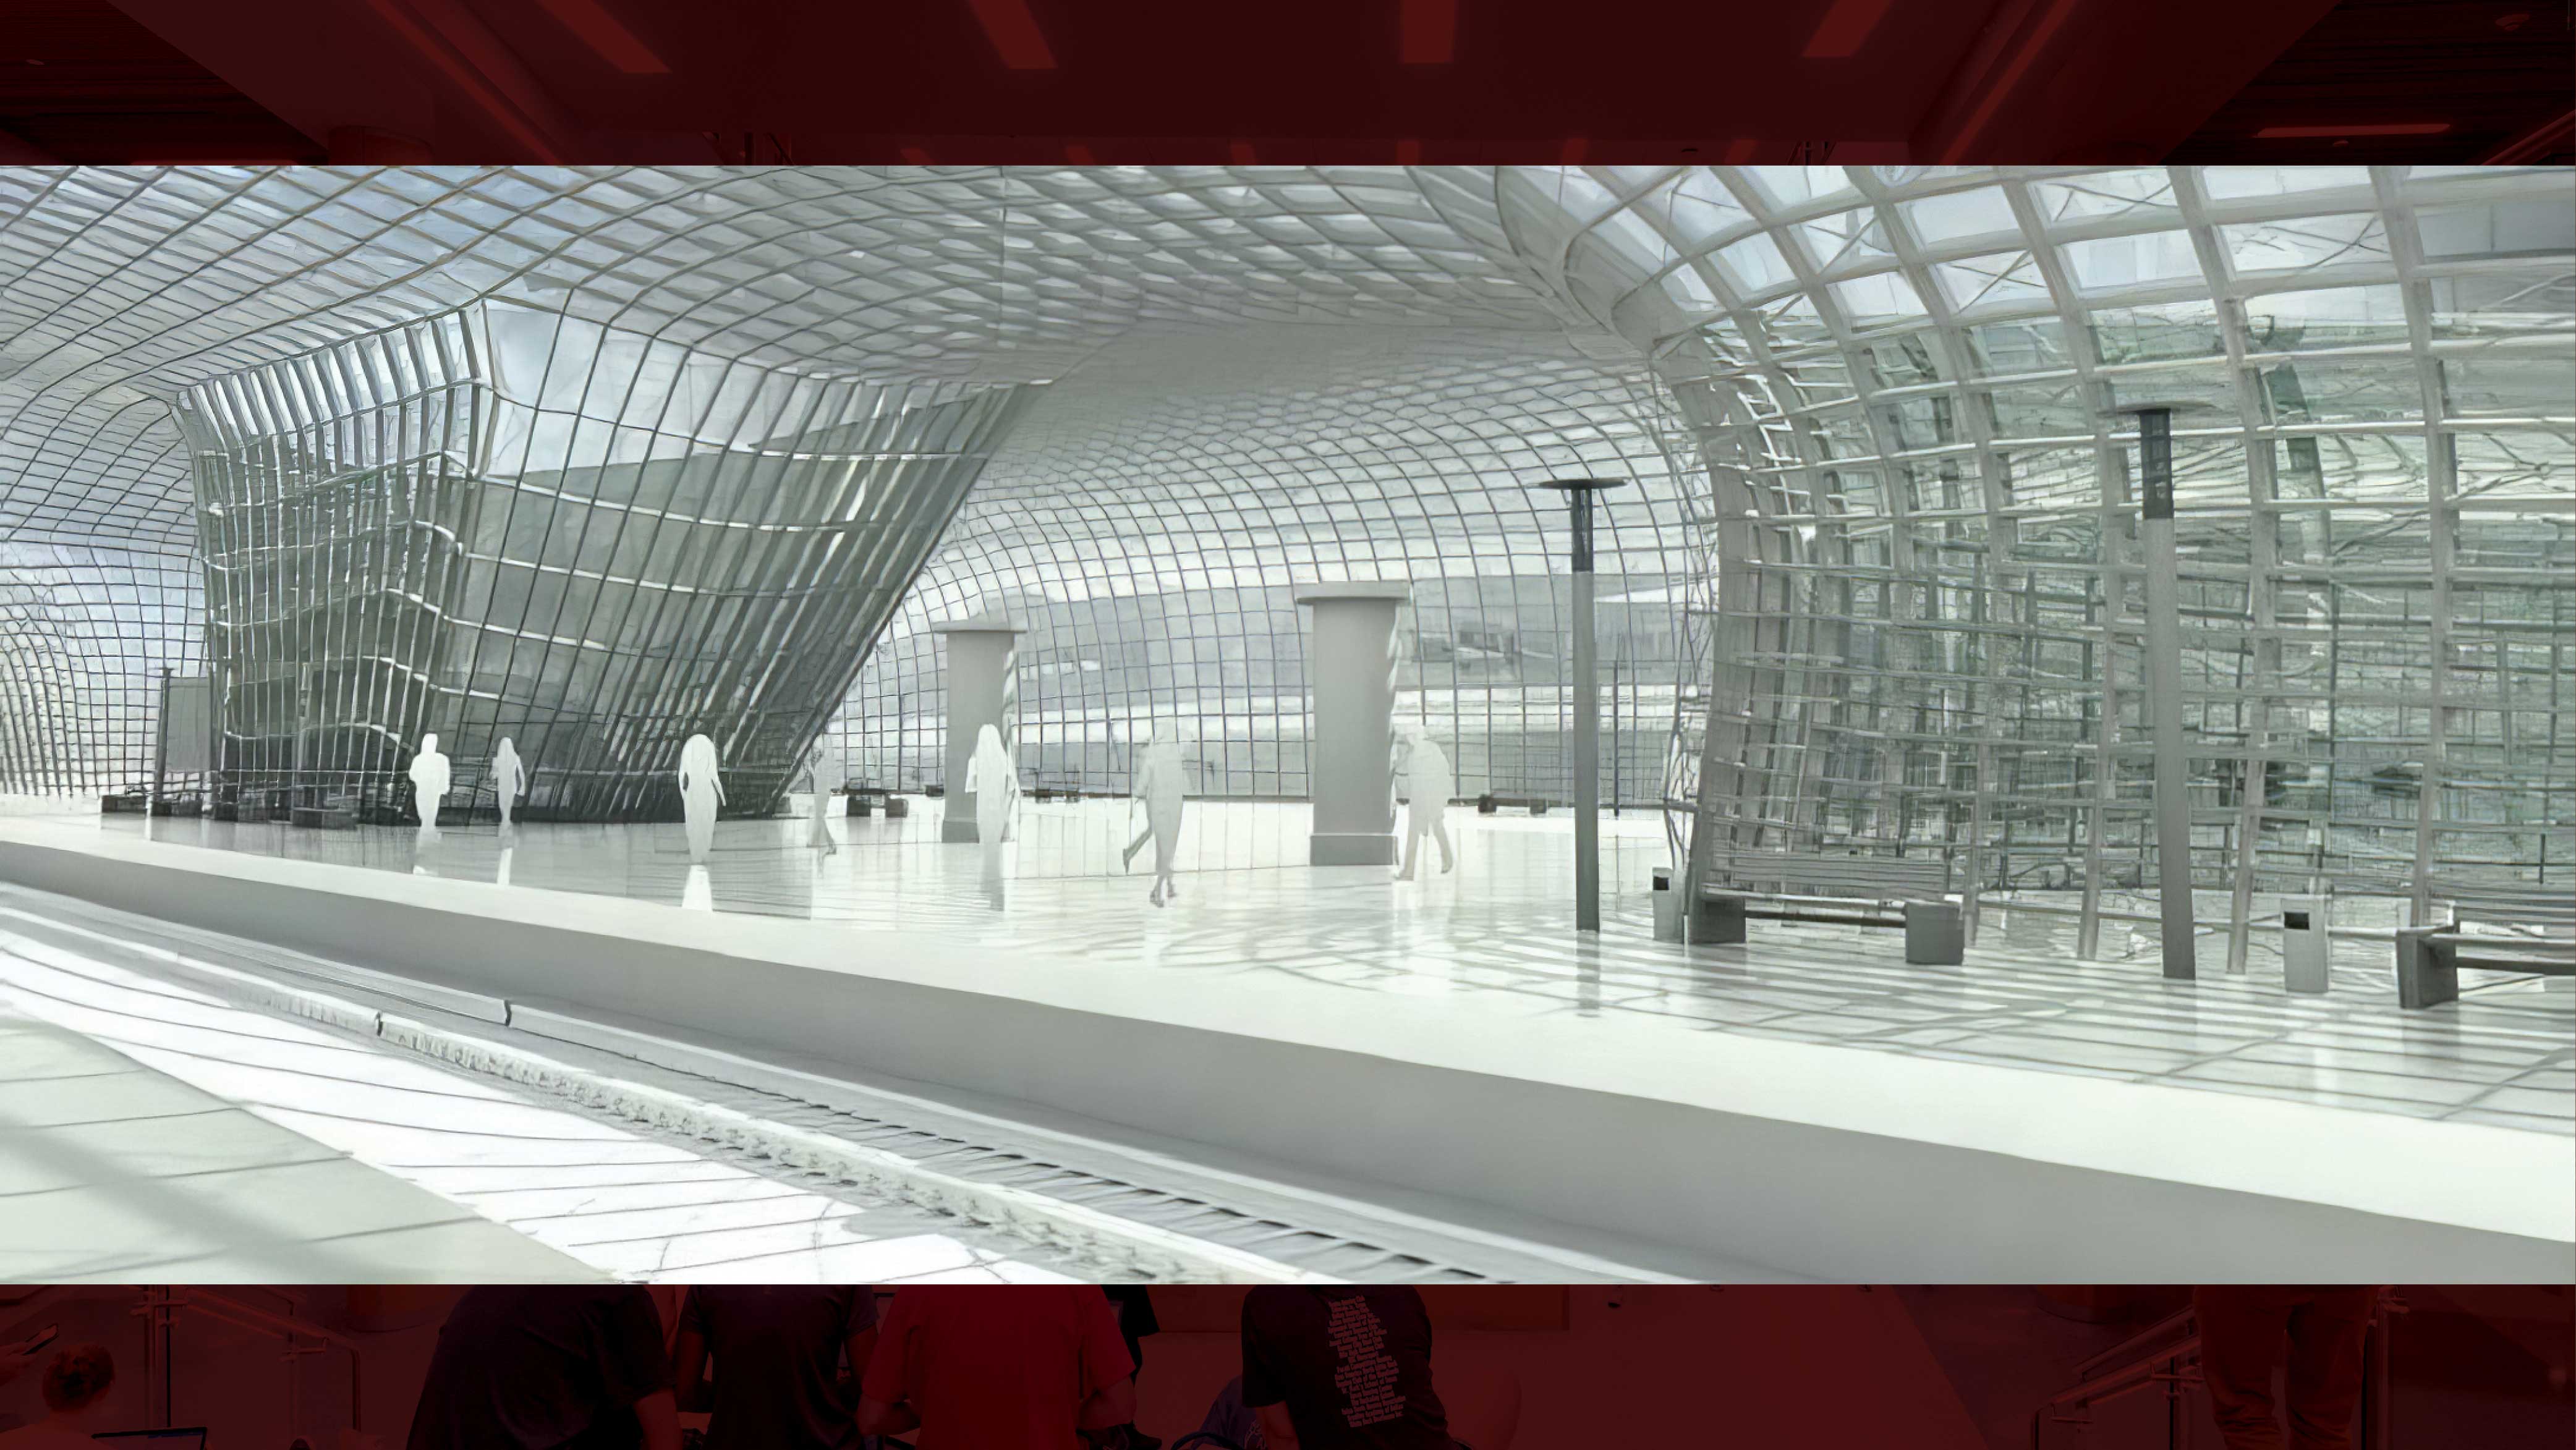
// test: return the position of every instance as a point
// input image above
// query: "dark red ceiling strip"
(1845, 29)
(603, 33)
(1014, 33)
(1429, 32)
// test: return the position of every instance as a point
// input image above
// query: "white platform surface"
(2451, 1118)
(150, 1131)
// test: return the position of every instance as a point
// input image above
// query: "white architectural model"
(509, 778)
(429, 776)
(995, 780)
(818, 762)
(1425, 784)
(1161, 783)
(701, 791)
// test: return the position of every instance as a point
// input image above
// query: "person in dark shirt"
(1136, 1324)
(778, 1351)
(1341, 1368)
(549, 1367)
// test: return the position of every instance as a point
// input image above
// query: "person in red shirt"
(1023, 1367)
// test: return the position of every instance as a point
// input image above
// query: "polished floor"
(148, 1130)
(1499, 929)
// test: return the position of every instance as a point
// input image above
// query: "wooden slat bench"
(2492, 929)
(1849, 887)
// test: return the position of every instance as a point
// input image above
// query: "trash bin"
(2303, 943)
(1668, 906)
(1936, 933)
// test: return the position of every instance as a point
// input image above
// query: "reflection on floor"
(1500, 927)
(210, 1143)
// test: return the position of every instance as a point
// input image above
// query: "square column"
(982, 670)
(1350, 768)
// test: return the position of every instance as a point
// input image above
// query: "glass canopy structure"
(1879, 583)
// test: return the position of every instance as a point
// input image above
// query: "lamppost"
(1587, 705)
(2163, 679)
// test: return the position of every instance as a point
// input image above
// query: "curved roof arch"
(1892, 380)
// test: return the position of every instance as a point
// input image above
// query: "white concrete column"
(982, 670)
(1350, 771)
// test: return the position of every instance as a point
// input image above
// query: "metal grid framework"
(1147, 521)
(1922, 603)
(1870, 406)
(503, 523)
(143, 284)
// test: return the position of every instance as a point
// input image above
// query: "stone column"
(983, 689)
(1349, 769)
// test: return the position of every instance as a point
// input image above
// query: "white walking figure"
(818, 763)
(1161, 784)
(509, 777)
(701, 791)
(429, 777)
(1426, 784)
(995, 780)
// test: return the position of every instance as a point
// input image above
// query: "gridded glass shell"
(1879, 576)
(499, 523)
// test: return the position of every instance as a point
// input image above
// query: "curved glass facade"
(1883, 531)
(1923, 598)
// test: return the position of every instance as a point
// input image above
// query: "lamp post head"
(1578, 493)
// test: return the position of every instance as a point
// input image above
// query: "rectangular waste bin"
(1668, 906)
(1936, 933)
(2303, 943)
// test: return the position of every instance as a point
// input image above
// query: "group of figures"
(701, 779)
(1161, 786)
(430, 777)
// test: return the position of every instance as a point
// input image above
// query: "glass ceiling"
(1882, 496)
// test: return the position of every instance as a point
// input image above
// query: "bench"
(1843, 886)
(335, 813)
(862, 800)
(1489, 803)
(2493, 930)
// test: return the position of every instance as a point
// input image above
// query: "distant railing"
(2165, 1357)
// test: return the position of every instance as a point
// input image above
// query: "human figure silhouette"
(509, 777)
(701, 791)
(1425, 781)
(1161, 785)
(818, 767)
(429, 778)
(995, 780)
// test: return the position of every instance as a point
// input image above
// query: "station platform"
(1803, 1105)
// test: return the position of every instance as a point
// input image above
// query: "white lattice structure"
(1869, 411)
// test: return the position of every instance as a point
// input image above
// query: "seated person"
(1036, 1367)
(76, 1384)
(1231, 1420)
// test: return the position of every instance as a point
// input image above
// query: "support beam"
(2163, 674)
(982, 674)
(1350, 768)
(1587, 703)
